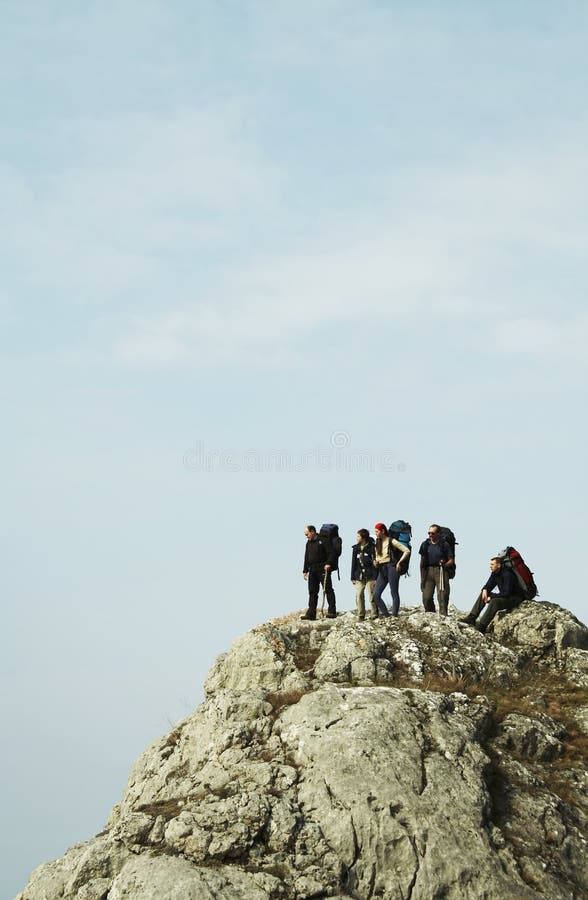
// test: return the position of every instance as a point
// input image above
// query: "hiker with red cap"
(390, 566)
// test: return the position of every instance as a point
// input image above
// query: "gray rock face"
(401, 758)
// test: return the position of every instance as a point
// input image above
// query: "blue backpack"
(402, 531)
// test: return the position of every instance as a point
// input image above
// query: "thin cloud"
(546, 338)
(463, 244)
(158, 211)
(389, 277)
(143, 189)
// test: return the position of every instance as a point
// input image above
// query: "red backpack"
(512, 559)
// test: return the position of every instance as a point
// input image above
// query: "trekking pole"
(324, 595)
(441, 581)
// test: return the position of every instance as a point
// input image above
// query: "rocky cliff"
(400, 758)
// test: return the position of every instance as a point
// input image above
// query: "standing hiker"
(317, 572)
(363, 572)
(436, 557)
(390, 567)
(508, 595)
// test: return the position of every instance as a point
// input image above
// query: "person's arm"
(424, 562)
(371, 567)
(405, 551)
(354, 565)
(490, 584)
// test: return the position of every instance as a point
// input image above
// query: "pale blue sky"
(252, 227)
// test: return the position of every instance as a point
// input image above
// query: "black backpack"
(402, 531)
(448, 536)
(329, 535)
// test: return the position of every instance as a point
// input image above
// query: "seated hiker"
(507, 596)
(363, 572)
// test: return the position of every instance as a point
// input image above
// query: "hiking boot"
(308, 617)
(480, 627)
(331, 615)
(361, 617)
(468, 620)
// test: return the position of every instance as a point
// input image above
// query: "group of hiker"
(380, 562)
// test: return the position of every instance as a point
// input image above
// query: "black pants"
(489, 610)
(316, 580)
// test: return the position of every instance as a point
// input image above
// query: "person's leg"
(505, 604)
(394, 582)
(442, 582)
(429, 590)
(496, 603)
(475, 610)
(370, 585)
(314, 584)
(490, 610)
(360, 598)
(330, 595)
(381, 583)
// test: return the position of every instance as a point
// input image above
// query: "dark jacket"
(506, 581)
(431, 553)
(362, 562)
(315, 556)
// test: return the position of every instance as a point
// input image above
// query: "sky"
(267, 264)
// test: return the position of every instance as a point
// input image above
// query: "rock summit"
(409, 757)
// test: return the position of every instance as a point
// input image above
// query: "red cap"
(379, 526)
